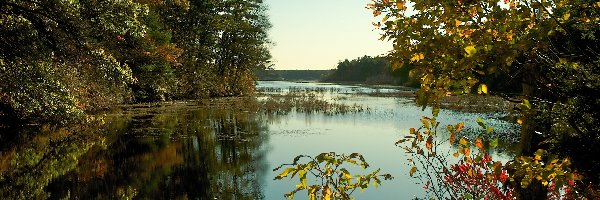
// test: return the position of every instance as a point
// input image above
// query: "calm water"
(217, 150)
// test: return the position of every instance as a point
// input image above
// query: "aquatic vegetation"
(305, 102)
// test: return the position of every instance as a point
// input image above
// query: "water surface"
(220, 149)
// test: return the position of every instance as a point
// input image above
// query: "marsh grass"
(271, 90)
(301, 101)
(306, 102)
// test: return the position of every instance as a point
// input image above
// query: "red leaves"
(483, 179)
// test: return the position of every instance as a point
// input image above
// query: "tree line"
(371, 70)
(291, 75)
(61, 59)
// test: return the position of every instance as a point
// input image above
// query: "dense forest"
(62, 59)
(371, 70)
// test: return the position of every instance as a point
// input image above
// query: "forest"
(63, 59)
(291, 75)
(371, 70)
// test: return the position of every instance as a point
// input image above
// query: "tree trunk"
(528, 143)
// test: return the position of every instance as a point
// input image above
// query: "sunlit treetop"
(453, 44)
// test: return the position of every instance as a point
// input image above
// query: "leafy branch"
(333, 179)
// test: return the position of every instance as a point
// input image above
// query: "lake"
(222, 148)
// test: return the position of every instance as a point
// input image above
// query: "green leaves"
(470, 51)
(285, 173)
(412, 171)
(554, 171)
(494, 143)
(335, 181)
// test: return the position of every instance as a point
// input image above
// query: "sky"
(317, 34)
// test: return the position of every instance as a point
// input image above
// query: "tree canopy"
(60, 59)
(550, 47)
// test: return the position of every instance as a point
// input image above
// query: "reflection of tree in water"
(199, 154)
(35, 156)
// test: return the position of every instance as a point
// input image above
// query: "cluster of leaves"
(473, 174)
(59, 59)
(549, 47)
(333, 179)
(54, 58)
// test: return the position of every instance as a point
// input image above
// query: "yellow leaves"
(385, 18)
(312, 193)
(562, 61)
(531, 25)
(470, 50)
(598, 4)
(429, 143)
(465, 33)
(412, 171)
(538, 157)
(539, 153)
(566, 16)
(302, 176)
(473, 11)
(479, 143)
(466, 151)
(463, 142)
(284, 173)
(459, 126)
(400, 4)
(327, 193)
(376, 13)
(520, 121)
(457, 22)
(483, 89)
(586, 20)
(417, 57)
(509, 36)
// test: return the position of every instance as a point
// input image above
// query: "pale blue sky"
(316, 34)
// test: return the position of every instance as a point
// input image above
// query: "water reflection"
(181, 153)
(33, 157)
(216, 149)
